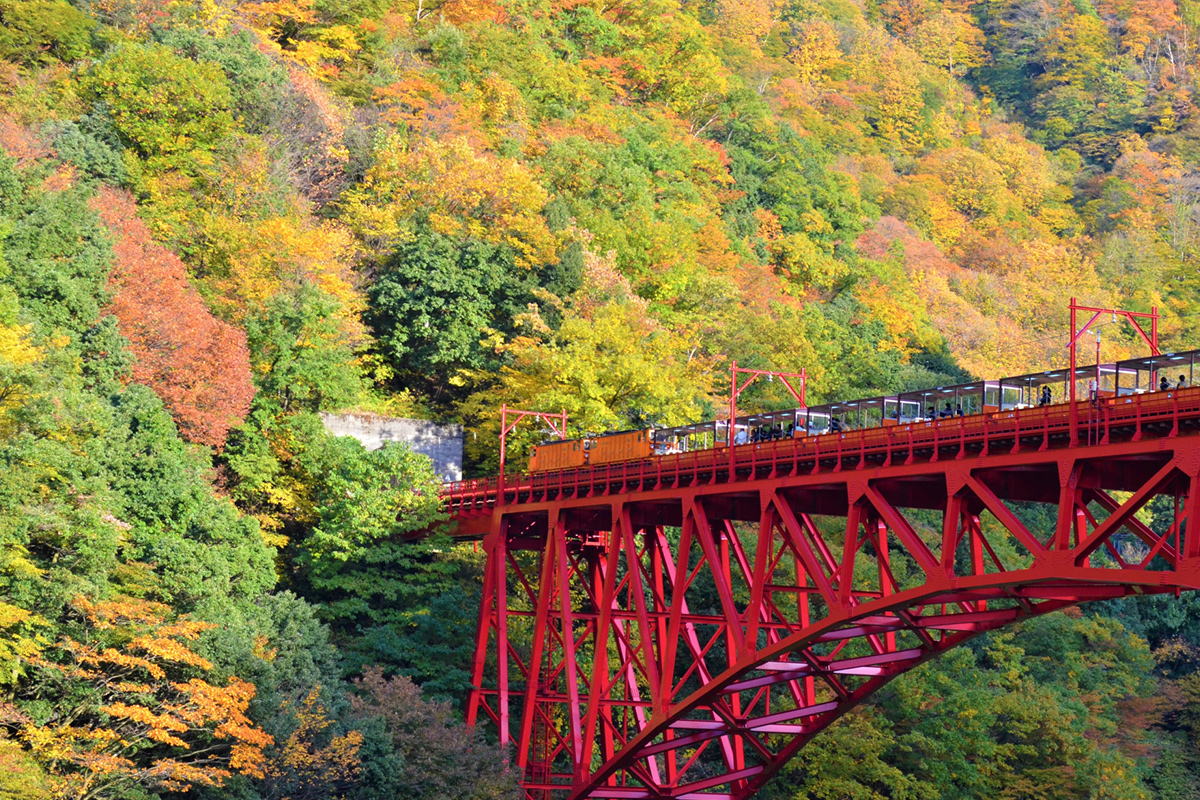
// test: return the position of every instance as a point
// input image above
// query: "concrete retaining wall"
(442, 443)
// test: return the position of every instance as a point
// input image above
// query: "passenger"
(740, 437)
(835, 425)
(778, 432)
(1183, 382)
(958, 411)
(946, 412)
(791, 430)
(1164, 385)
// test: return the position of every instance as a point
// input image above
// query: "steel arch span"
(654, 634)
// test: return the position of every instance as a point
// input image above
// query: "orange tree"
(122, 703)
(197, 364)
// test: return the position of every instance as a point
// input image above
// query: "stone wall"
(442, 443)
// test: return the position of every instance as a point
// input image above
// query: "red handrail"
(1165, 406)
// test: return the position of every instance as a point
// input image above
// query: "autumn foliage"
(143, 716)
(311, 764)
(427, 208)
(198, 365)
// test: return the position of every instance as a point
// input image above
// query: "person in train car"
(1045, 399)
(835, 425)
(1164, 385)
(958, 411)
(741, 437)
(946, 412)
(777, 432)
(1183, 382)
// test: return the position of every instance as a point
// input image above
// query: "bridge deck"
(1113, 420)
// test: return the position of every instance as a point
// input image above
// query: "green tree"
(256, 83)
(368, 501)
(373, 587)
(436, 301)
(303, 359)
(169, 110)
(57, 256)
(42, 31)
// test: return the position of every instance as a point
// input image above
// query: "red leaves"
(21, 143)
(198, 365)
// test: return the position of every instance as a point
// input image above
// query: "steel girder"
(686, 642)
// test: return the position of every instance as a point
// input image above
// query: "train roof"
(1162, 361)
(587, 436)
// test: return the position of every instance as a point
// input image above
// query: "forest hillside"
(220, 218)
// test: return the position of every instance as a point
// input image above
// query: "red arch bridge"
(680, 627)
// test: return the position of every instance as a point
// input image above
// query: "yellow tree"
(17, 358)
(670, 59)
(310, 762)
(251, 261)
(746, 21)
(896, 102)
(814, 49)
(1028, 171)
(949, 40)
(457, 191)
(131, 710)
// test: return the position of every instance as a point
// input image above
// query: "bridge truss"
(681, 627)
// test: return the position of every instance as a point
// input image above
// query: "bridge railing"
(1018, 429)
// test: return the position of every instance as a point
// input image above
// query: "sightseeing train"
(1134, 376)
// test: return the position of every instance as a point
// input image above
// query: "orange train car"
(558, 455)
(606, 448)
(623, 446)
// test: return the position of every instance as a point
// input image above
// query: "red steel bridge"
(680, 626)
